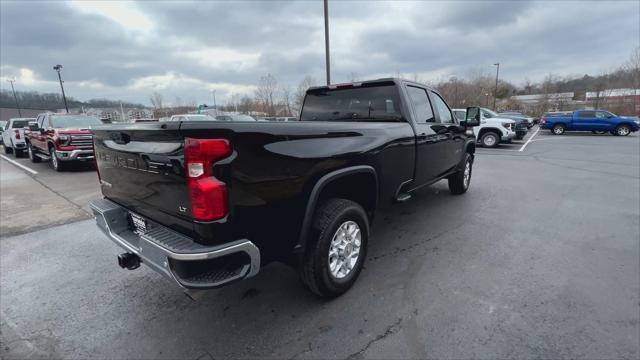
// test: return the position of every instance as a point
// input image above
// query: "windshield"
(488, 113)
(74, 121)
(19, 123)
(199, 118)
(377, 103)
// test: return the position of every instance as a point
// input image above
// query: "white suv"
(13, 136)
(493, 129)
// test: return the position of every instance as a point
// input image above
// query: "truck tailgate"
(141, 167)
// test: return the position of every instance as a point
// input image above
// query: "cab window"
(443, 110)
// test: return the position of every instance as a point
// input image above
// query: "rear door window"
(421, 104)
(586, 114)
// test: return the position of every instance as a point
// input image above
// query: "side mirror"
(472, 117)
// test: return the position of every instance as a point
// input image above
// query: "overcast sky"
(127, 50)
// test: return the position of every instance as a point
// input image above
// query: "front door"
(451, 135)
(429, 147)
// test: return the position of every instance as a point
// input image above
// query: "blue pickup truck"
(588, 120)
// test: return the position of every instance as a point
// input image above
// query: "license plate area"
(138, 224)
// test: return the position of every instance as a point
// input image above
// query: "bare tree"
(156, 100)
(633, 67)
(267, 87)
(286, 99)
(301, 91)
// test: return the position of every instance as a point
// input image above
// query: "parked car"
(61, 138)
(206, 204)
(492, 130)
(135, 121)
(192, 117)
(514, 114)
(3, 123)
(235, 117)
(13, 136)
(588, 120)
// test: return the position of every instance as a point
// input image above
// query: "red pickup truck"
(61, 138)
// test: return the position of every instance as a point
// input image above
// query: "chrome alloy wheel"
(623, 131)
(344, 249)
(467, 174)
(54, 160)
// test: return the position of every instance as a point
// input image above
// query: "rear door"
(429, 149)
(584, 121)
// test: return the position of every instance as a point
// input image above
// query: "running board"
(42, 156)
(403, 197)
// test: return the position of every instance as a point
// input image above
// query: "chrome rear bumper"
(174, 255)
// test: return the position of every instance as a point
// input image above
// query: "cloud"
(125, 49)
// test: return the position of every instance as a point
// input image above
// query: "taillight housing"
(17, 134)
(208, 195)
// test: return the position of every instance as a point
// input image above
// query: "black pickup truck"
(207, 203)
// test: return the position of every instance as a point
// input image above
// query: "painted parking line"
(25, 168)
(531, 138)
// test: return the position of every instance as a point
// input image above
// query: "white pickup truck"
(492, 130)
(13, 136)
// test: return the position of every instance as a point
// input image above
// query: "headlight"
(507, 125)
(64, 139)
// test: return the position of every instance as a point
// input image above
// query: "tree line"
(54, 101)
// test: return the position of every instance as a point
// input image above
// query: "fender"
(317, 189)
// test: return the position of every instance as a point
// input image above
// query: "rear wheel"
(7, 149)
(558, 129)
(459, 182)
(337, 248)
(32, 155)
(623, 130)
(490, 139)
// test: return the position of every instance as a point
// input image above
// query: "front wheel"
(337, 248)
(623, 130)
(490, 139)
(55, 162)
(460, 180)
(32, 155)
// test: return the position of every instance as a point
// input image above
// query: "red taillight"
(207, 194)
(17, 134)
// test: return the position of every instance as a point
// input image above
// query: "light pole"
(454, 79)
(213, 92)
(58, 68)
(14, 96)
(326, 40)
(495, 93)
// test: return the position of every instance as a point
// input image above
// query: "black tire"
(18, 153)
(558, 129)
(7, 150)
(623, 130)
(32, 154)
(56, 164)
(459, 182)
(315, 270)
(490, 139)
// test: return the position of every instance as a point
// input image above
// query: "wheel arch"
(339, 183)
(489, 129)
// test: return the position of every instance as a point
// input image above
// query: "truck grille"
(83, 141)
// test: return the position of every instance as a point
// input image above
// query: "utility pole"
(495, 93)
(326, 40)
(58, 68)
(213, 92)
(15, 97)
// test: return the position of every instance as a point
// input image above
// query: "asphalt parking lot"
(540, 259)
